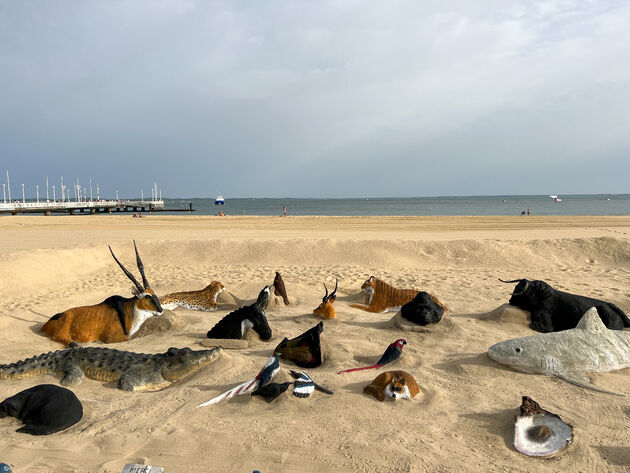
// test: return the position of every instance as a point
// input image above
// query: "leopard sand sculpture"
(115, 319)
(205, 299)
(133, 371)
(383, 297)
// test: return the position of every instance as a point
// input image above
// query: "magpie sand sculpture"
(115, 319)
(570, 354)
(133, 371)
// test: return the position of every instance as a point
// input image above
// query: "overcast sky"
(319, 98)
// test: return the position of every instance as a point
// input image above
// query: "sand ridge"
(462, 420)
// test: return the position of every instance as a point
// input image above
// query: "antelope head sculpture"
(326, 309)
(115, 319)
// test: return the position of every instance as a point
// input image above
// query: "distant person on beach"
(284, 210)
(528, 212)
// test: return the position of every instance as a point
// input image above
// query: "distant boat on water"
(555, 198)
(219, 200)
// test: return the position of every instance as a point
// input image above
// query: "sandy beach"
(462, 420)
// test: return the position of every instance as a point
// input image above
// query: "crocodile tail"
(27, 368)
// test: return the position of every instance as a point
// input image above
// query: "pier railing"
(93, 206)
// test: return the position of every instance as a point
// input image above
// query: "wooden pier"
(87, 207)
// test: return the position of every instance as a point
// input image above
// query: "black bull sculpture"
(552, 310)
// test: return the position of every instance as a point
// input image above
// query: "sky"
(339, 98)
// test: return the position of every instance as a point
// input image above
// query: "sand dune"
(462, 420)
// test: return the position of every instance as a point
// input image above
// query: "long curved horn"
(140, 267)
(523, 291)
(510, 282)
(334, 293)
(325, 298)
(129, 275)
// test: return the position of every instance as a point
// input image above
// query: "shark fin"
(584, 381)
(591, 321)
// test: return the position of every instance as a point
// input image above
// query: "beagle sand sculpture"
(326, 309)
(570, 354)
(393, 384)
(44, 409)
(115, 319)
(235, 324)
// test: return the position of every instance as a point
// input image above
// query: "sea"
(613, 204)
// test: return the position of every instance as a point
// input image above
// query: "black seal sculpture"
(44, 409)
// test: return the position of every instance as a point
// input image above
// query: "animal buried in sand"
(552, 310)
(305, 350)
(326, 309)
(393, 384)
(385, 298)
(115, 319)
(570, 354)
(262, 379)
(133, 371)
(392, 353)
(540, 433)
(235, 324)
(279, 289)
(44, 409)
(422, 310)
(205, 299)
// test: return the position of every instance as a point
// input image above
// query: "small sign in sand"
(138, 468)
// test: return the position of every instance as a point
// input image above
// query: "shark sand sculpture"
(570, 354)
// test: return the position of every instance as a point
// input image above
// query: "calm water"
(495, 205)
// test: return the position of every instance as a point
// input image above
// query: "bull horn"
(325, 298)
(129, 275)
(140, 267)
(334, 293)
(511, 282)
(523, 291)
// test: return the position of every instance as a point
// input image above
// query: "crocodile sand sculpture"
(133, 371)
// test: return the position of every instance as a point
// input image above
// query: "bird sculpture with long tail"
(262, 379)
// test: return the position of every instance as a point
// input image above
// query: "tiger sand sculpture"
(115, 319)
(133, 371)
(326, 309)
(385, 298)
(205, 299)
(44, 409)
(393, 384)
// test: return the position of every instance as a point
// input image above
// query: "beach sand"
(463, 419)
